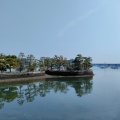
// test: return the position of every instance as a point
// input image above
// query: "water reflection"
(7, 94)
(81, 85)
(27, 92)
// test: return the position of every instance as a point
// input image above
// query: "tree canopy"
(57, 62)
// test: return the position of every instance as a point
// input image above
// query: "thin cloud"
(75, 21)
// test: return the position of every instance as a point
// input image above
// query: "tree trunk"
(10, 69)
(51, 66)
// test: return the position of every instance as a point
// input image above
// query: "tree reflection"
(28, 92)
(8, 94)
(1, 103)
(21, 99)
(81, 85)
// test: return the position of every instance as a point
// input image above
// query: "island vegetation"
(26, 64)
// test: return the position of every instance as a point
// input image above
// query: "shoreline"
(35, 78)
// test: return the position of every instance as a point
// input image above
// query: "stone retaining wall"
(19, 75)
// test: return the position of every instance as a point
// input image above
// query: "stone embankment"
(20, 75)
(6, 78)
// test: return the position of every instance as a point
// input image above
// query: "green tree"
(42, 63)
(87, 63)
(65, 63)
(39, 63)
(11, 61)
(47, 62)
(21, 61)
(2, 62)
(60, 61)
(78, 62)
(31, 60)
(52, 63)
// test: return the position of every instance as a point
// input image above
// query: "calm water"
(96, 98)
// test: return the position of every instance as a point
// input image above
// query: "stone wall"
(19, 75)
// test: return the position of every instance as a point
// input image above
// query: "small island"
(27, 68)
(80, 66)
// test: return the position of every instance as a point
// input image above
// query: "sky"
(61, 27)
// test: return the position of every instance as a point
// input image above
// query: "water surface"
(94, 98)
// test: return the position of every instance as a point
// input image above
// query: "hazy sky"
(61, 27)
